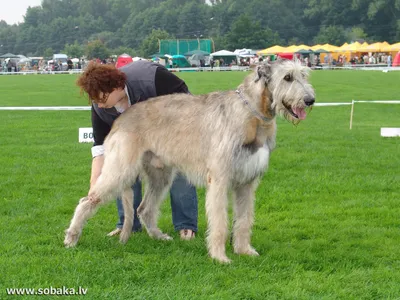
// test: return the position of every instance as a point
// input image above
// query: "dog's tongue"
(300, 112)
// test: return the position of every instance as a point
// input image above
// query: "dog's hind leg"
(159, 179)
(243, 204)
(217, 217)
(127, 203)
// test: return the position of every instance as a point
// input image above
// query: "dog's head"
(287, 82)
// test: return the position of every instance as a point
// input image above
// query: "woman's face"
(113, 98)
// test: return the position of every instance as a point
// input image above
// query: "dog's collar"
(253, 111)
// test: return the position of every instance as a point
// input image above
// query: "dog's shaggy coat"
(220, 140)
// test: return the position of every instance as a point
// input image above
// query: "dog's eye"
(288, 77)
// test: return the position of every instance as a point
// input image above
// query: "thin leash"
(251, 108)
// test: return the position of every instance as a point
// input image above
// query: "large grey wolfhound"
(220, 140)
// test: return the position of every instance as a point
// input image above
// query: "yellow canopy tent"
(394, 47)
(302, 46)
(272, 50)
(290, 49)
(375, 47)
(316, 47)
(385, 47)
(348, 50)
(354, 47)
(341, 48)
(294, 48)
(329, 47)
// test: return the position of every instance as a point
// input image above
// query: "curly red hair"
(98, 79)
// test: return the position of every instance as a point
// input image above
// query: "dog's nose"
(309, 100)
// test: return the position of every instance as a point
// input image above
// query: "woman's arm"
(97, 164)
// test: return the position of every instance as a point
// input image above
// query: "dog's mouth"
(296, 112)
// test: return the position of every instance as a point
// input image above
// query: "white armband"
(97, 150)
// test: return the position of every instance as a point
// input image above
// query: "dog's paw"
(221, 259)
(71, 239)
(164, 237)
(247, 251)
(159, 235)
(124, 237)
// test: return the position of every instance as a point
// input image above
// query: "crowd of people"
(16, 65)
(360, 59)
(313, 60)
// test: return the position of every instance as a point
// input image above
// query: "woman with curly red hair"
(111, 91)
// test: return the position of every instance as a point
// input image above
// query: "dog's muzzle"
(300, 112)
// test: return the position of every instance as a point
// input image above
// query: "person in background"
(9, 65)
(70, 64)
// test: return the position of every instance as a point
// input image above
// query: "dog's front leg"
(86, 208)
(243, 203)
(217, 217)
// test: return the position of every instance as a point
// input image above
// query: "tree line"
(101, 27)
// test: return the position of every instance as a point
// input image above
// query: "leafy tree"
(48, 53)
(8, 38)
(121, 50)
(192, 20)
(246, 33)
(33, 16)
(87, 25)
(96, 49)
(129, 23)
(332, 35)
(110, 39)
(74, 50)
(355, 33)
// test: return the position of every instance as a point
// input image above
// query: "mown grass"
(327, 213)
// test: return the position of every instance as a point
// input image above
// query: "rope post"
(351, 114)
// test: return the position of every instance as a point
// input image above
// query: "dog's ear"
(264, 72)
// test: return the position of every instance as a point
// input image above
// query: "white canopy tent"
(223, 53)
(136, 58)
(228, 57)
(245, 52)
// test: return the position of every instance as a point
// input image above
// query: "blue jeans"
(183, 205)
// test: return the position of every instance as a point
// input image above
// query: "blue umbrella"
(178, 56)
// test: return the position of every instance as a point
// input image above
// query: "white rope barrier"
(55, 108)
(46, 108)
(368, 101)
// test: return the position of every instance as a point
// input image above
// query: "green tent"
(321, 51)
(179, 61)
(305, 51)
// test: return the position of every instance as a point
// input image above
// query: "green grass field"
(327, 211)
